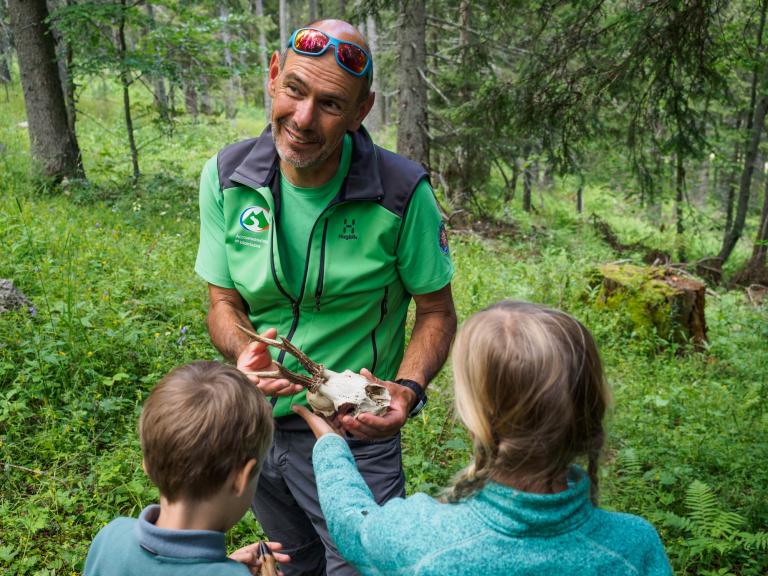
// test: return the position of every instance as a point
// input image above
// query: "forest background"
(560, 136)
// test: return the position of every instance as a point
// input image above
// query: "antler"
(315, 369)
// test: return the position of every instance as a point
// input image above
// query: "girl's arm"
(363, 531)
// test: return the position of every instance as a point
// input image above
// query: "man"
(312, 232)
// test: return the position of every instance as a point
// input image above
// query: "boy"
(205, 431)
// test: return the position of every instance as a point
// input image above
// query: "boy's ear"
(243, 477)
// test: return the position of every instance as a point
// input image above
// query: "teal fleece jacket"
(498, 530)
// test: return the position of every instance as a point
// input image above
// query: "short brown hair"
(529, 386)
(201, 422)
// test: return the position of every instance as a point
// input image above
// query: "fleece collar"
(198, 544)
(525, 514)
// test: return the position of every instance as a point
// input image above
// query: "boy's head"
(201, 423)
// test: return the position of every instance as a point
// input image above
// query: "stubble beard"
(297, 159)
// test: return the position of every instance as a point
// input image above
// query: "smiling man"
(312, 232)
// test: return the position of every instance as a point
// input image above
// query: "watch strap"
(421, 395)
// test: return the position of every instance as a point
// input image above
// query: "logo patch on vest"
(442, 238)
(255, 219)
(348, 231)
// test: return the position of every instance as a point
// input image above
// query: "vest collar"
(363, 180)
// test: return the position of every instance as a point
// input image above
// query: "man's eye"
(332, 106)
(292, 89)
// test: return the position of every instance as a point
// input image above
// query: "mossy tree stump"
(655, 300)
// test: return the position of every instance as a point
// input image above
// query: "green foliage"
(108, 266)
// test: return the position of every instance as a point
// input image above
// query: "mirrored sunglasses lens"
(352, 57)
(312, 41)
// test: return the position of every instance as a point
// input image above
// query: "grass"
(108, 266)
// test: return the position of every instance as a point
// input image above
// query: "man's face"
(314, 103)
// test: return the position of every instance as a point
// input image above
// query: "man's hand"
(255, 357)
(249, 555)
(368, 426)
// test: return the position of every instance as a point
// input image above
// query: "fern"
(629, 462)
(756, 541)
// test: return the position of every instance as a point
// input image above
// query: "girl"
(529, 387)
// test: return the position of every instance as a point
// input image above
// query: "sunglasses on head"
(313, 42)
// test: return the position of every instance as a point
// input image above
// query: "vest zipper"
(321, 273)
(373, 333)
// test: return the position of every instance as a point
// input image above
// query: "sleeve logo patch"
(255, 219)
(443, 239)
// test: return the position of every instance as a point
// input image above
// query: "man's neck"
(187, 515)
(313, 176)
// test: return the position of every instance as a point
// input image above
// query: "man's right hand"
(255, 357)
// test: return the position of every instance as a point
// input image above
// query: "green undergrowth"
(108, 266)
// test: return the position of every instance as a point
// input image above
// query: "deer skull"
(328, 392)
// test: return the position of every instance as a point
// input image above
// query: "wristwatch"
(421, 396)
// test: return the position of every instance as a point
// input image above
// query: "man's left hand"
(367, 426)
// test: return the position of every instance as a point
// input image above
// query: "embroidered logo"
(442, 238)
(255, 219)
(348, 231)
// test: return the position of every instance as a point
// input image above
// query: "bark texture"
(412, 140)
(54, 146)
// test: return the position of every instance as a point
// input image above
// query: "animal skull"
(328, 392)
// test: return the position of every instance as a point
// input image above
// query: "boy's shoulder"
(117, 550)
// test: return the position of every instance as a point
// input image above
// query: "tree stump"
(655, 300)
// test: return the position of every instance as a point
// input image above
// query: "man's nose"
(304, 115)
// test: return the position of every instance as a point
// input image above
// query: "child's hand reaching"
(319, 425)
(251, 556)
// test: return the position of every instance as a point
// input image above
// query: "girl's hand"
(317, 424)
(251, 557)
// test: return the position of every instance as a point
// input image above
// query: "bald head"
(343, 31)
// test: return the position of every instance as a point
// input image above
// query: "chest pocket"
(357, 251)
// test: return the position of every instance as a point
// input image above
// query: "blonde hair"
(201, 422)
(529, 386)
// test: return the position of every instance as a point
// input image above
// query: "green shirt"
(379, 240)
(302, 206)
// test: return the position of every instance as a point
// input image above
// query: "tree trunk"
(206, 107)
(230, 111)
(755, 270)
(125, 82)
(412, 139)
(730, 182)
(159, 93)
(283, 24)
(527, 180)
(263, 60)
(679, 205)
(751, 147)
(190, 100)
(5, 49)
(375, 119)
(54, 145)
(313, 10)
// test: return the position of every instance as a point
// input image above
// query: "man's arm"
(433, 332)
(225, 310)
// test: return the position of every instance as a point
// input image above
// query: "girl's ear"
(243, 476)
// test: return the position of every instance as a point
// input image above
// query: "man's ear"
(363, 110)
(242, 477)
(274, 72)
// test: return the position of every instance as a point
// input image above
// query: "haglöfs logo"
(255, 219)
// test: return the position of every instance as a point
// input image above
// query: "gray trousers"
(286, 503)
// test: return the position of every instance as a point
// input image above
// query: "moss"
(642, 297)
